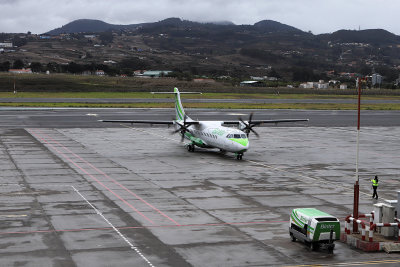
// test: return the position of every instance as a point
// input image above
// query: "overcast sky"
(318, 16)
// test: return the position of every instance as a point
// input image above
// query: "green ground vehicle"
(314, 227)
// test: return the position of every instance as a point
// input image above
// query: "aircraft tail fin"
(180, 112)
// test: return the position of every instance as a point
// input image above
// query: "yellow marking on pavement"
(14, 215)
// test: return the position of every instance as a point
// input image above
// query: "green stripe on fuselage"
(195, 140)
(242, 141)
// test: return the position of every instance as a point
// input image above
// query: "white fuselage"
(214, 135)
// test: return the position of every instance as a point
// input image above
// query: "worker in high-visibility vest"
(375, 187)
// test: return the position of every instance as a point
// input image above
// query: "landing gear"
(239, 156)
(190, 148)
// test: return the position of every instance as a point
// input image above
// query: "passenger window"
(243, 136)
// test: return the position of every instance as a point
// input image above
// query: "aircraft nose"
(243, 145)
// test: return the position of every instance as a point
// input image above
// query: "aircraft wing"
(139, 121)
(151, 122)
(258, 122)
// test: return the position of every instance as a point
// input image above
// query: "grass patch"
(309, 106)
(148, 95)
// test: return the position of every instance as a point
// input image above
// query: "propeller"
(248, 126)
(183, 128)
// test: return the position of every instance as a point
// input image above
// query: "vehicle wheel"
(314, 246)
(188, 148)
(292, 237)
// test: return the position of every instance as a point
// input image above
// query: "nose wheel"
(239, 156)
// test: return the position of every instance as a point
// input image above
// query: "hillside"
(266, 48)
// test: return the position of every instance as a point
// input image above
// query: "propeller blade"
(251, 117)
(251, 129)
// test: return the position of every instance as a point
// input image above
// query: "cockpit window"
(236, 136)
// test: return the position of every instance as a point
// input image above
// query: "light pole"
(356, 184)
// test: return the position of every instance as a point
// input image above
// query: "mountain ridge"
(93, 26)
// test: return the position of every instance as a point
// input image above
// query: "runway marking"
(90, 175)
(115, 229)
(14, 215)
(348, 263)
(113, 180)
(146, 227)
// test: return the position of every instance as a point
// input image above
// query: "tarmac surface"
(91, 195)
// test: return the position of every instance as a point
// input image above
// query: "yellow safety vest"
(374, 182)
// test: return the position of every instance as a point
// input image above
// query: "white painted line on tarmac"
(114, 228)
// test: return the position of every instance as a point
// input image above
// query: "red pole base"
(355, 207)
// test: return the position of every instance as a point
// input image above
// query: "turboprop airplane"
(211, 134)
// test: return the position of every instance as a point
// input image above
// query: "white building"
(322, 86)
(4, 45)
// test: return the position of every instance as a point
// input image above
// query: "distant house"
(156, 73)
(307, 85)
(204, 80)
(100, 73)
(252, 83)
(20, 71)
(87, 72)
(343, 86)
(322, 86)
(5, 45)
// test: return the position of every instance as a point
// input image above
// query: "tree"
(52, 67)
(18, 64)
(17, 41)
(5, 66)
(133, 64)
(74, 67)
(36, 66)
(106, 37)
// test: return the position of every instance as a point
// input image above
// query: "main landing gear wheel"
(292, 237)
(239, 156)
(190, 148)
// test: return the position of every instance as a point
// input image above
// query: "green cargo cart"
(314, 227)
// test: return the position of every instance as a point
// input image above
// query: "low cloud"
(315, 15)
